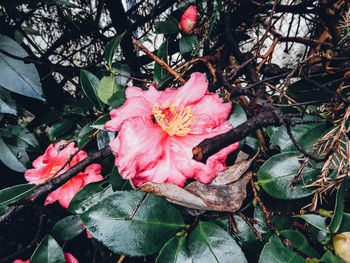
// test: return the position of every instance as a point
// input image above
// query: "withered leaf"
(233, 172)
(200, 196)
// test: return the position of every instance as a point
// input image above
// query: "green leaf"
(60, 128)
(345, 223)
(189, 45)
(7, 104)
(170, 26)
(117, 99)
(15, 75)
(338, 211)
(278, 171)
(108, 222)
(18, 37)
(159, 71)
(275, 252)
(210, 243)
(104, 138)
(329, 257)
(101, 121)
(237, 116)
(174, 251)
(106, 88)
(21, 138)
(121, 69)
(13, 157)
(305, 134)
(67, 228)
(48, 251)
(112, 47)
(89, 195)
(31, 31)
(13, 194)
(82, 140)
(300, 242)
(316, 220)
(89, 84)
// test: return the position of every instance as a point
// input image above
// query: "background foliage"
(65, 64)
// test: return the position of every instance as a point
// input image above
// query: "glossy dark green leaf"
(48, 251)
(121, 69)
(329, 257)
(189, 45)
(278, 171)
(338, 211)
(275, 251)
(89, 195)
(87, 130)
(170, 26)
(104, 138)
(154, 223)
(305, 134)
(316, 220)
(300, 242)
(7, 104)
(174, 251)
(67, 228)
(237, 116)
(111, 48)
(20, 137)
(159, 71)
(13, 157)
(60, 128)
(106, 88)
(345, 223)
(13, 194)
(117, 99)
(210, 243)
(15, 75)
(101, 121)
(18, 36)
(89, 84)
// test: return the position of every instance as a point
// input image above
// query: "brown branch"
(212, 145)
(159, 61)
(52, 185)
(245, 218)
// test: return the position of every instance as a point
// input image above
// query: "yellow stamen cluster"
(53, 170)
(172, 120)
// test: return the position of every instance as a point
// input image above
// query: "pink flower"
(68, 256)
(158, 129)
(188, 19)
(45, 167)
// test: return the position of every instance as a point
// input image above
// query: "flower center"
(173, 120)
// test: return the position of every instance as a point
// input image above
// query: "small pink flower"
(158, 129)
(68, 256)
(188, 19)
(46, 165)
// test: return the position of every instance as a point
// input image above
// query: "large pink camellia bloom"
(188, 19)
(158, 129)
(46, 165)
(68, 257)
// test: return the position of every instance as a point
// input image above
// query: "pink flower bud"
(188, 19)
(341, 244)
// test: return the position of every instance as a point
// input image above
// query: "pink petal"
(140, 145)
(65, 193)
(151, 95)
(135, 106)
(70, 258)
(188, 19)
(209, 113)
(21, 261)
(92, 174)
(192, 91)
(165, 171)
(204, 173)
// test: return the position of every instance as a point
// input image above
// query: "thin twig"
(244, 217)
(159, 61)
